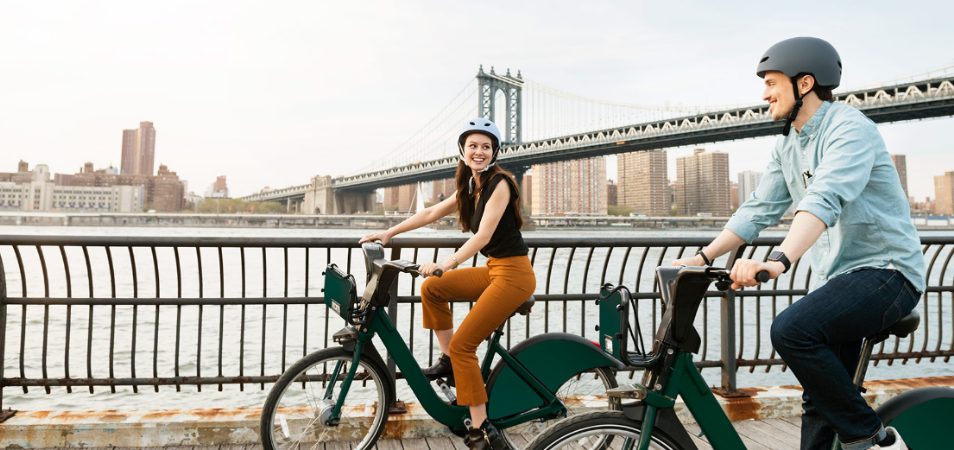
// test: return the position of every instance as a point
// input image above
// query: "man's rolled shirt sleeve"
(842, 174)
(765, 206)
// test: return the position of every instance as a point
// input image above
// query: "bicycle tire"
(278, 430)
(599, 430)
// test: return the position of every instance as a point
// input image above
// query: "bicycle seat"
(906, 325)
(524, 308)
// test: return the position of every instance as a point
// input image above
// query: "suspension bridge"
(542, 124)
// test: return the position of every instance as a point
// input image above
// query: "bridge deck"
(765, 434)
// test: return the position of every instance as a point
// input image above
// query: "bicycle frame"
(671, 373)
(685, 381)
(451, 415)
(370, 318)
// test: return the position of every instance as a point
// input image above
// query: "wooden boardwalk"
(765, 434)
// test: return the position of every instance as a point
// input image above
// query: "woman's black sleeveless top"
(506, 240)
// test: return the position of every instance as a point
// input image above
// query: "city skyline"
(242, 87)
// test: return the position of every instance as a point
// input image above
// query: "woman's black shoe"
(441, 369)
(486, 437)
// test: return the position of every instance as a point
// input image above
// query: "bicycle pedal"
(451, 397)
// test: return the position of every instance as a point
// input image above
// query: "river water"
(156, 326)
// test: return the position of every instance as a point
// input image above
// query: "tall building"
(643, 182)
(702, 184)
(944, 194)
(748, 181)
(734, 195)
(901, 164)
(139, 150)
(219, 189)
(569, 187)
(167, 192)
(526, 192)
(612, 193)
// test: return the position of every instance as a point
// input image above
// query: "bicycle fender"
(922, 416)
(666, 420)
(553, 358)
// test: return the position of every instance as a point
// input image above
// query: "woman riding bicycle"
(487, 201)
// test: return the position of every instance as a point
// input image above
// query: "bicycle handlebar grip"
(438, 273)
(762, 276)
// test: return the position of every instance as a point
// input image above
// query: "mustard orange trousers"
(499, 289)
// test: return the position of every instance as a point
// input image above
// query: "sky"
(274, 93)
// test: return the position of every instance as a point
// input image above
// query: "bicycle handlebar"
(414, 271)
(762, 276)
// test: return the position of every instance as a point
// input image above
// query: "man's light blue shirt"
(838, 169)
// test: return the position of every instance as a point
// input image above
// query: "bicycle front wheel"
(298, 411)
(599, 430)
(581, 393)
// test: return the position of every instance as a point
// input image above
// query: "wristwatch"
(780, 257)
(705, 259)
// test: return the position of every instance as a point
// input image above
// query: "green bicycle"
(345, 392)
(922, 416)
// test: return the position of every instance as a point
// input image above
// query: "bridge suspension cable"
(551, 112)
(435, 139)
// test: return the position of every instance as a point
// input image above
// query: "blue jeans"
(819, 338)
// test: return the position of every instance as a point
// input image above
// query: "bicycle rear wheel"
(599, 430)
(297, 411)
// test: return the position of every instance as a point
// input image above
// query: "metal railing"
(87, 312)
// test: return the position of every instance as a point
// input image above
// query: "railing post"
(730, 363)
(4, 415)
(727, 330)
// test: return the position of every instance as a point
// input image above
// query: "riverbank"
(372, 221)
(231, 426)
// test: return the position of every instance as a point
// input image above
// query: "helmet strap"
(798, 105)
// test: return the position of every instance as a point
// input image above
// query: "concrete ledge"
(218, 426)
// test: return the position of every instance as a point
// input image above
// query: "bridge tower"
(488, 84)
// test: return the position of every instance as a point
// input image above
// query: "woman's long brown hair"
(466, 203)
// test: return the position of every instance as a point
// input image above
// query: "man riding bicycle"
(850, 209)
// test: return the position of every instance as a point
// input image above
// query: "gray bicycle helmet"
(802, 55)
(483, 126)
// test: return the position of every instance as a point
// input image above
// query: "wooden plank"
(390, 444)
(794, 420)
(458, 443)
(785, 427)
(414, 444)
(740, 428)
(440, 443)
(773, 436)
(752, 436)
(336, 445)
(519, 440)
